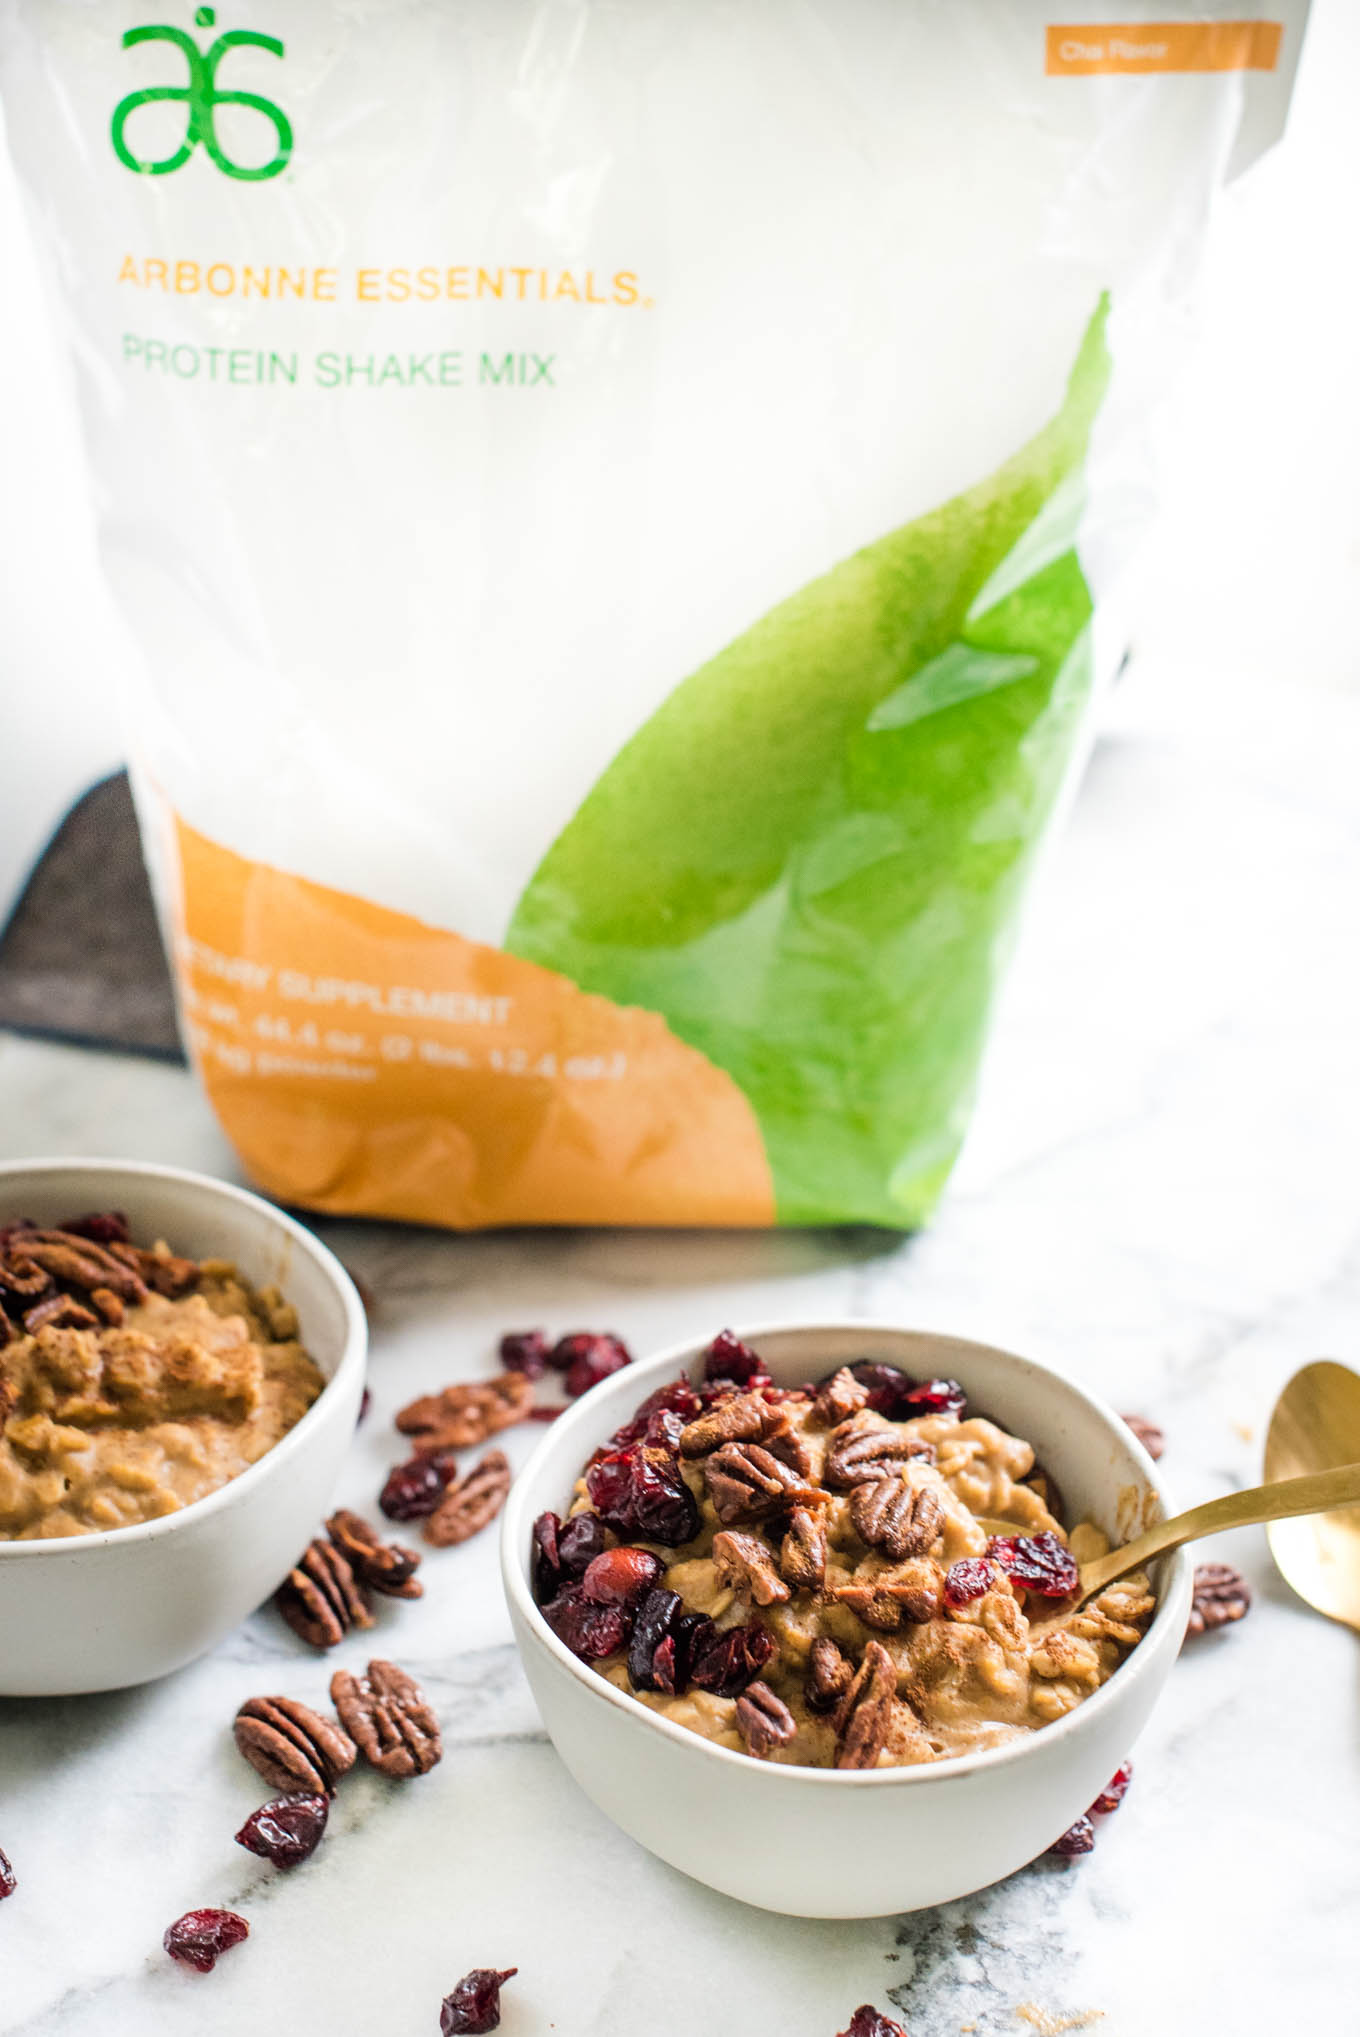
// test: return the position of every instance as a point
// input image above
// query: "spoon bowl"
(1316, 1427)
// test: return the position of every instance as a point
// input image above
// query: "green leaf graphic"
(809, 859)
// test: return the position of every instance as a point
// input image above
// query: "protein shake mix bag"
(620, 501)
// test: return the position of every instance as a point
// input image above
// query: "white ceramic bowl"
(96, 1612)
(815, 1842)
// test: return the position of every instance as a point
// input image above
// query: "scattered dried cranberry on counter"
(525, 1351)
(287, 1830)
(587, 1357)
(200, 1937)
(1076, 1840)
(1112, 1796)
(589, 1629)
(868, 2021)
(544, 1414)
(1038, 1563)
(414, 1489)
(639, 1491)
(365, 1403)
(619, 1577)
(727, 1358)
(475, 2004)
(9, 1881)
(967, 1579)
(1148, 1434)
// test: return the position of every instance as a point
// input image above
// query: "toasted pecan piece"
(464, 1415)
(802, 1554)
(865, 1448)
(763, 1720)
(747, 1564)
(747, 1482)
(898, 1518)
(837, 1399)
(864, 1716)
(389, 1718)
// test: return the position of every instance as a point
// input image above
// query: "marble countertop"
(1158, 1195)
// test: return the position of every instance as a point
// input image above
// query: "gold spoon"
(1316, 1423)
(1318, 1493)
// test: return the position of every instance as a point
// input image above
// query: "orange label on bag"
(1092, 49)
(362, 1061)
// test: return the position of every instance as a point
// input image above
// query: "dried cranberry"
(967, 1579)
(8, 1879)
(525, 1351)
(868, 2022)
(726, 1662)
(639, 1491)
(414, 1489)
(544, 1414)
(618, 1577)
(287, 1830)
(580, 1542)
(679, 1399)
(591, 1631)
(592, 1358)
(101, 1227)
(1076, 1840)
(653, 1627)
(935, 1397)
(1040, 1563)
(365, 1403)
(728, 1358)
(1112, 1796)
(475, 2004)
(200, 1937)
(547, 1556)
(888, 1386)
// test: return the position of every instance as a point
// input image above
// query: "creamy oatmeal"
(855, 1575)
(133, 1382)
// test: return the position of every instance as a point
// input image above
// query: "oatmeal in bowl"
(133, 1381)
(854, 1573)
(797, 1608)
(179, 1384)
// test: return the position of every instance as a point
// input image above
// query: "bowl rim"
(352, 1359)
(1173, 1602)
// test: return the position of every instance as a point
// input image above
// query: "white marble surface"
(1159, 1194)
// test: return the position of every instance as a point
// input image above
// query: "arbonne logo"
(202, 98)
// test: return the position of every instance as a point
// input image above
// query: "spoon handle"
(1318, 1493)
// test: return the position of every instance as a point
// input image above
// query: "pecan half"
(462, 1416)
(164, 1272)
(1148, 1434)
(747, 1564)
(746, 1419)
(320, 1597)
(1221, 1595)
(802, 1555)
(59, 1312)
(384, 1567)
(864, 1715)
(292, 1746)
(77, 1262)
(862, 1451)
(889, 1514)
(18, 1275)
(837, 1399)
(830, 1675)
(746, 1482)
(9, 1392)
(470, 1502)
(763, 1720)
(894, 1596)
(387, 1715)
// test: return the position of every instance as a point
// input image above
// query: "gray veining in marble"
(1159, 1194)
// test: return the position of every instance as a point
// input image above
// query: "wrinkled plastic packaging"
(622, 509)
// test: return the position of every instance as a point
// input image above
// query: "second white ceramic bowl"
(822, 1843)
(96, 1612)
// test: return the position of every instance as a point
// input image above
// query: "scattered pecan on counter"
(1221, 1595)
(462, 1416)
(471, 1502)
(389, 1719)
(293, 1747)
(321, 1599)
(385, 1567)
